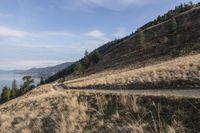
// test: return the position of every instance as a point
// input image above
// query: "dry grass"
(54, 110)
(186, 69)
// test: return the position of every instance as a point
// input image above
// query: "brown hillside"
(179, 73)
(157, 45)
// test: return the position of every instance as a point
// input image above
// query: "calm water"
(6, 79)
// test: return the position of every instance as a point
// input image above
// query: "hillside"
(146, 86)
(157, 46)
(49, 109)
(179, 73)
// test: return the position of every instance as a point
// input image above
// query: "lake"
(6, 79)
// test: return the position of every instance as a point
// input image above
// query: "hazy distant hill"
(46, 71)
(11, 71)
(39, 72)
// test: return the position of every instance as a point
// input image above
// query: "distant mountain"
(3, 72)
(11, 71)
(46, 71)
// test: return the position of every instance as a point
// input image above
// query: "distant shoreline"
(7, 78)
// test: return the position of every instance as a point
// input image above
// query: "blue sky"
(38, 33)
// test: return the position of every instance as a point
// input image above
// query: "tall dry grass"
(54, 110)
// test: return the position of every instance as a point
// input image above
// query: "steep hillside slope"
(157, 44)
(180, 73)
(157, 47)
(49, 109)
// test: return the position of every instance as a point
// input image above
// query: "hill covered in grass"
(179, 73)
(49, 109)
(176, 34)
(163, 54)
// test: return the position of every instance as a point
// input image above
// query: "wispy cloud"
(97, 34)
(51, 39)
(51, 45)
(6, 32)
(56, 39)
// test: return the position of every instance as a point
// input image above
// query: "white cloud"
(96, 34)
(6, 32)
(50, 39)
(45, 45)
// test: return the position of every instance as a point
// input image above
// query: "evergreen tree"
(42, 81)
(96, 56)
(14, 89)
(173, 27)
(28, 84)
(78, 68)
(173, 30)
(5, 95)
(140, 38)
(86, 60)
(178, 9)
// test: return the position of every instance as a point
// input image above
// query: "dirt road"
(190, 93)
